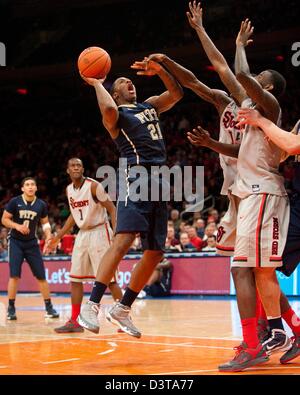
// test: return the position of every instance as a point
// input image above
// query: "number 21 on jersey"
(155, 131)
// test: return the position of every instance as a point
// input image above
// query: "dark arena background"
(49, 114)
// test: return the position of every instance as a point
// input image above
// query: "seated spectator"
(176, 219)
(211, 244)
(3, 244)
(185, 243)
(200, 227)
(171, 241)
(160, 281)
(210, 230)
(214, 214)
(195, 240)
(3, 251)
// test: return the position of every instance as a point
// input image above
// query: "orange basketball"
(94, 62)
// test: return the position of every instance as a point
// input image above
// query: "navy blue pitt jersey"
(140, 140)
(28, 213)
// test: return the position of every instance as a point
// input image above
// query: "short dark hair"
(74, 158)
(279, 83)
(26, 179)
(112, 88)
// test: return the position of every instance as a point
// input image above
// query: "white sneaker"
(88, 317)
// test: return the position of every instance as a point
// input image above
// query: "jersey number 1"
(81, 217)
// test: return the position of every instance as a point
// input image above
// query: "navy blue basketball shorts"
(291, 253)
(150, 219)
(18, 250)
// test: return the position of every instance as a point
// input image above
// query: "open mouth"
(131, 89)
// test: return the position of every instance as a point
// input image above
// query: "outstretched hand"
(199, 137)
(157, 57)
(50, 245)
(195, 15)
(248, 116)
(146, 67)
(245, 33)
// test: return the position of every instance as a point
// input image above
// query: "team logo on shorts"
(221, 232)
(275, 236)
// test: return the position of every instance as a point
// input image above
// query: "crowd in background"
(45, 142)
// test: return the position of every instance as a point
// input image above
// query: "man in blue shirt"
(22, 215)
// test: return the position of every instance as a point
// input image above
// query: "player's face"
(264, 79)
(124, 91)
(29, 188)
(75, 169)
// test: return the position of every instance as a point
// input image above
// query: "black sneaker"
(277, 342)
(293, 353)
(51, 313)
(11, 313)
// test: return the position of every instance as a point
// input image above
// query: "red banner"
(199, 275)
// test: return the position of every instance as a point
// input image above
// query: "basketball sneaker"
(245, 358)
(11, 313)
(292, 353)
(51, 313)
(119, 315)
(278, 342)
(70, 326)
(88, 317)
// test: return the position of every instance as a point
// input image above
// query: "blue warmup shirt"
(29, 213)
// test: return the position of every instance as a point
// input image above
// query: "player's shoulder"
(14, 201)
(91, 180)
(41, 202)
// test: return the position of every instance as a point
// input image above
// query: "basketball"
(94, 62)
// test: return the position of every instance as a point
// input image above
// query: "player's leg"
(72, 325)
(88, 317)
(227, 228)
(291, 258)
(293, 321)
(15, 259)
(80, 271)
(115, 290)
(273, 222)
(34, 258)
(120, 313)
(250, 352)
(153, 241)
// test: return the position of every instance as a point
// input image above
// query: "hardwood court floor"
(180, 336)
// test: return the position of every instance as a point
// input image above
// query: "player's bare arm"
(53, 241)
(195, 17)
(188, 80)
(201, 138)
(47, 231)
(108, 107)
(9, 223)
(264, 100)
(288, 141)
(174, 91)
(101, 196)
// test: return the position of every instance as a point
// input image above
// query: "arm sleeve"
(11, 206)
